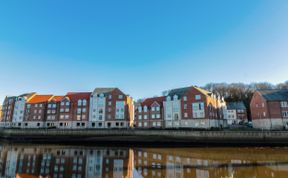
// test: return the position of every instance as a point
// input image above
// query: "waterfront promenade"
(136, 136)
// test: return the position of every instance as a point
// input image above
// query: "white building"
(19, 108)
(172, 111)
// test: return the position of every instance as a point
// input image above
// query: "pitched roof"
(39, 99)
(57, 98)
(236, 105)
(103, 90)
(204, 92)
(180, 92)
(274, 94)
(74, 96)
(149, 101)
(28, 95)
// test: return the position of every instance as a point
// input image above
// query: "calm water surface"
(31, 161)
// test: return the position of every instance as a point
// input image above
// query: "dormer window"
(62, 103)
(145, 108)
(175, 97)
(197, 97)
(67, 103)
(168, 98)
(120, 97)
(101, 95)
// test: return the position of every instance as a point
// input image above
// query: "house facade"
(74, 110)
(7, 111)
(269, 109)
(110, 108)
(35, 111)
(19, 109)
(193, 107)
(150, 113)
(236, 112)
(53, 111)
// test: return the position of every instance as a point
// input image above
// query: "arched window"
(168, 98)
(79, 102)
(145, 108)
(175, 97)
(84, 102)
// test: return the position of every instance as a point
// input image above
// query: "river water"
(31, 161)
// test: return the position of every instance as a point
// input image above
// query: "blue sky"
(142, 47)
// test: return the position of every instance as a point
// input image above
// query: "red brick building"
(110, 108)
(150, 113)
(269, 109)
(53, 111)
(7, 111)
(35, 111)
(74, 110)
(193, 107)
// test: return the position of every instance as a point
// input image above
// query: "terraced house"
(110, 108)
(149, 113)
(269, 109)
(193, 107)
(74, 110)
(7, 111)
(19, 109)
(35, 111)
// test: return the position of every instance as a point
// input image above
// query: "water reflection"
(29, 161)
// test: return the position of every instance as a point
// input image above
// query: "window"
(175, 97)
(157, 108)
(145, 116)
(145, 124)
(158, 116)
(145, 109)
(84, 102)
(285, 114)
(153, 116)
(197, 97)
(84, 110)
(284, 104)
(79, 102)
(120, 97)
(185, 106)
(67, 103)
(110, 97)
(49, 105)
(140, 117)
(62, 103)
(153, 108)
(185, 114)
(139, 109)
(40, 105)
(185, 98)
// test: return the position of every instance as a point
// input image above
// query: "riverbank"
(133, 136)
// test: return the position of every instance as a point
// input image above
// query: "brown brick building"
(150, 113)
(269, 109)
(53, 111)
(7, 111)
(74, 110)
(193, 107)
(35, 111)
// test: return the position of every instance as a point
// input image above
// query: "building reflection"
(31, 161)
